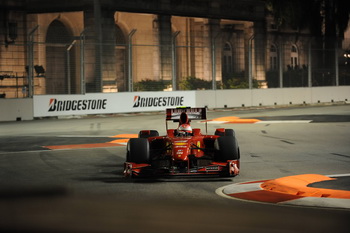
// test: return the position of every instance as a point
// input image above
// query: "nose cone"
(181, 150)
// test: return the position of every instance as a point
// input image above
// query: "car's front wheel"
(227, 148)
(138, 150)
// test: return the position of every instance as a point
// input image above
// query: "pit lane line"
(291, 190)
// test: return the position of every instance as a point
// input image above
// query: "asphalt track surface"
(66, 175)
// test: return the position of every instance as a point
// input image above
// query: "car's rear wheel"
(148, 133)
(138, 150)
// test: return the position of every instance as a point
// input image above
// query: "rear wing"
(176, 115)
(173, 114)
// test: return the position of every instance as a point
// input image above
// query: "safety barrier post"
(336, 63)
(250, 61)
(130, 78)
(82, 62)
(213, 63)
(68, 66)
(174, 66)
(309, 69)
(31, 61)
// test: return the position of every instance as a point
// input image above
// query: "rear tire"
(152, 133)
(138, 150)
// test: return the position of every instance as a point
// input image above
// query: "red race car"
(183, 151)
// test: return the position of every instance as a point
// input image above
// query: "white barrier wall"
(105, 103)
(272, 96)
(16, 109)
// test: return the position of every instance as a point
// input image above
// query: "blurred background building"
(75, 47)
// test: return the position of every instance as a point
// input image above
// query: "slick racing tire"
(227, 148)
(230, 132)
(138, 150)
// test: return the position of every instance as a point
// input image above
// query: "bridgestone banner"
(106, 103)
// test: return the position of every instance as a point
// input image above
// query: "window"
(273, 57)
(294, 56)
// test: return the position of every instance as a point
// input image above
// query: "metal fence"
(143, 61)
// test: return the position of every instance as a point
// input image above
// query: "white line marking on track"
(338, 175)
(263, 122)
(241, 188)
(320, 202)
(286, 122)
(218, 122)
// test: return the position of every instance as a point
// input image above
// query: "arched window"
(57, 33)
(273, 57)
(120, 37)
(294, 56)
(58, 37)
(227, 66)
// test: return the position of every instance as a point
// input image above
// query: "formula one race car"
(183, 151)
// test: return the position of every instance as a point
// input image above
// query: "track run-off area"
(66, 175)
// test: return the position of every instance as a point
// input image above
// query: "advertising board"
(106, 103)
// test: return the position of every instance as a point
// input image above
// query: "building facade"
(110, 46)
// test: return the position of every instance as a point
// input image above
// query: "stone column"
(100, 42)
(156, 49)
(260, 51)
(216, 42)
(108, 28)
(211, 35)
(165, 34)
(207, 71)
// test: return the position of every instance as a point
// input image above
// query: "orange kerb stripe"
(233, 119)
(125, 136)
(81, 146)
(125, 140)
(265, 196)
(297, 185)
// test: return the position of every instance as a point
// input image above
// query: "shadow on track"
(116, 176)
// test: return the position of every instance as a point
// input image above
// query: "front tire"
(227, 148)
(138, 150)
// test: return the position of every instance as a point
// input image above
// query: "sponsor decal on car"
(180, 143)
(212, 168)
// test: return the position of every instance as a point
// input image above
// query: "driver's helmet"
(184, 130)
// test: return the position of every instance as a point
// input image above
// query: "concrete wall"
(22, 109)
(273, 96)
(16, 109)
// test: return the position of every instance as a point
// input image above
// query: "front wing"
(229, 168)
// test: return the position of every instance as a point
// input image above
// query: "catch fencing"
(146, 61)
